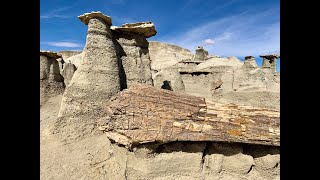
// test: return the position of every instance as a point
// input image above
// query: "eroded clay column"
(250, 62)
(201, 54)
(133, 50)
(50, 78)
(44, 67)
(270, 61)
(93, 83)
(97, 77)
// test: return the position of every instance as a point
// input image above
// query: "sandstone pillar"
(51, 80)
(270, 61)
(134, 53)
(61, 63)
(201, 54)
(94, 82)
(250, 62)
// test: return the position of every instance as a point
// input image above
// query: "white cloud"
(64, 44)
(209, 42)
(54, 16)
(56, 13)
(225, 36)
(239, 35)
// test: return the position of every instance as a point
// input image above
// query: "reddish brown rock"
(144, 114)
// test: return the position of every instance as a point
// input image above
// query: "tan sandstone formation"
(250, 62)
(146, 114)
(164, 55)
(229, 80)
(146, 29)
(51, 81)
(201, 54)
(270, 61)
(76, 60)
(132, 49)
(67, 72)
(170, 79)
(66, 54)
(95, 80)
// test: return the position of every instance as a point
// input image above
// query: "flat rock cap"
(147, 29)
(270, 56)
(94, 14)
(50, 54)
(248, 57)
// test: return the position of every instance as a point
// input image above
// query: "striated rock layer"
(97, 157)
(145, 114)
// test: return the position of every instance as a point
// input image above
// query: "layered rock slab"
(145, 114)
(146, 29)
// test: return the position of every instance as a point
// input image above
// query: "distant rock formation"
(164, 55)
(250, 62)
(169, 78)
(201, 54)
(270, 61)
(51, 81)
(227, 80)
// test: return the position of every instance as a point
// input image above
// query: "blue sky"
(224, 27)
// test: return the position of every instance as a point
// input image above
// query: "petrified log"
(143, 114)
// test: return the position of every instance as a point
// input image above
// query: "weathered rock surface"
(66, 54)
(86, 17)
(250, 62)
(67, 72)
(147, 114)
(146, 29)
(201, 54)
(164, 55)
(270, 61)
(170, 79)
(77, 60)
(97, 158)
(133, 54)
(94, 82)
(51, 81)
